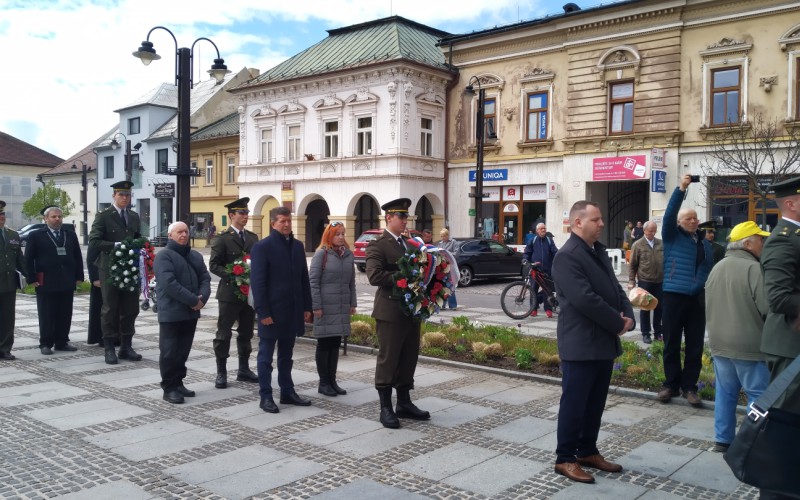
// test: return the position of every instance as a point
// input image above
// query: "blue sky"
(71, 63)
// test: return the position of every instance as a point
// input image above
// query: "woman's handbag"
(764, 451)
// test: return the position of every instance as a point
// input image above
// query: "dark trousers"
(95, 331)
(119, 311)
(7, 316)
(398, 352)
(55, 317)
(329, 343)
(644, 316)
(230, 313)
(174, 343)
(538, 296)
(266, 349)
(584, 388)
(684, 316)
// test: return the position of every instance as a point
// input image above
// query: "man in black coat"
(55, 266)
(594, 313)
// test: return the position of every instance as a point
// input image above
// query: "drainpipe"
(449, 87)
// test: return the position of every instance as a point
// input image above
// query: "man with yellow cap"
(735, 310)
(120, 308)
(11, 266)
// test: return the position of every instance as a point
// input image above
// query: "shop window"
(537, 115)
(621, 107)
(725, 94)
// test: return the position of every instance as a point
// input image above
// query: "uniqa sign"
(499, 174)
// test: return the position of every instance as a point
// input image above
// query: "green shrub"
(479, 356)
(524, 358)
(436, 352)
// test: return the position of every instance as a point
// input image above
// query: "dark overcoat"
(225, 249)
(95, 331)
(591, 300)
(280, 286)
(59, 272)
(780, 262)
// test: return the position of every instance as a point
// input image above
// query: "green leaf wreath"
(125, 263)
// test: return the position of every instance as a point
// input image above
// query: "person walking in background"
(55, 264)
(95, 330)
(227, 248)
(637, 233)
(282, 299)
(595, 313)
(11, 266)
(333, 298)
(647, 269)
(717, 250)
(183, 287)
(687, 261)
(450, 245)
(541, 250)
(735, 309)
(627, 235)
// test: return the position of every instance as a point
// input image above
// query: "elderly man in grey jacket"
(183, 287)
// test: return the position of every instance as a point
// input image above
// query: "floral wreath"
(239, 272)
(131, 263)
(427, 276)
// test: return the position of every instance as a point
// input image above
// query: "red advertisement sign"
(620, 168)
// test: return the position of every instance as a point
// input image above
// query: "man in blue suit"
(282, 300)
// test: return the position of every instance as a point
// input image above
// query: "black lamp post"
(85, 200)
(183, 80)
(479, 194)
(128, 162)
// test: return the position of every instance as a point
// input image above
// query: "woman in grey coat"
(333, 299)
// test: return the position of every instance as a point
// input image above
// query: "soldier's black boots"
(333, 365)
(245, 374)
(388, 418)
(407, 409)
(222, 374)
(126, 350)
(111, 354)
(323, 370)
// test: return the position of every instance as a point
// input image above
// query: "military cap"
(48, 207)
(2, 207)
(238, 205)
(709, 225)
(397, 207)
(122, 186)
(786, 188)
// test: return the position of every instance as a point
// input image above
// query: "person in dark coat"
(541, 250)
(227, 248)
(282, 300)
(55, 264)
(95, 331)
(717, 250)
(595, 312)
(398, 334)
(11, 266)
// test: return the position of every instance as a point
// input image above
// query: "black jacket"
(59, 272)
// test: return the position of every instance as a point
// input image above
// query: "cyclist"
(541, 250)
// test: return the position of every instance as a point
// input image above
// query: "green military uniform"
(10, 262)
(226, 248)
(120, 308)
(780, 261)
(398, 334)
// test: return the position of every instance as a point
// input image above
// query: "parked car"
(360, 246)
(486, 258)
(25, 231)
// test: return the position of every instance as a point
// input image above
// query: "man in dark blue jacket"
(688, 258)
(595, 311)
(541, 250)
(282, 300)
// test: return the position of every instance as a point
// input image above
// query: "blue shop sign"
(499, 174)
(658, 182)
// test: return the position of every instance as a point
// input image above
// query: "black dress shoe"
(646, 338)
(268, 405)
(7, 356)
(174, 397)
(185, 392)
(246, 375)
(292, 398)
(66, 347)
(46, 351)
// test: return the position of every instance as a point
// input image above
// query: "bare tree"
(756, 153)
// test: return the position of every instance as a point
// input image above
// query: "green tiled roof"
(226, 127)
(388, 39)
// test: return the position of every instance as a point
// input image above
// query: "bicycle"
(517, 298)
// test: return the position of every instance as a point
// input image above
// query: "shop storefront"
(733, 201)
(509, 212)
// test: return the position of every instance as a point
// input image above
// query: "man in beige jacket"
(647, 268)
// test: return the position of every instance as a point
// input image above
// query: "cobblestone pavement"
(75, 427)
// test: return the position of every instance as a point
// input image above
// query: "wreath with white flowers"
(131, 263)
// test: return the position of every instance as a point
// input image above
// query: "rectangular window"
(267, 153)
(489, 119)
(133, 126)
(231, 173)
(426, 137)
(136, 173)
(725, 91)
(536, 108)
(209, 172)
(295, 144)
(108, 167)
(193, 178)
(364, 136)
(621, 108)
(331, 139)
(161, 161)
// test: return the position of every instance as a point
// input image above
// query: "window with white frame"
(133, 126)
(331, 139)
(108, 167)
(620, 104)
(364, 135)
(426, 137)
(489, 119)
(537, 115)
(230, 176)
(267, 148)
(294, 147)
(193, 177)
(725, 95)
(209, 172)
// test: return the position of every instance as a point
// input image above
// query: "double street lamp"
(85, 199)
(183, 80)
(479, 195)
(128, 153)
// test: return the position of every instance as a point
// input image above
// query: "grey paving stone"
(36, 393)
(299, 377)
(495, 475)
(548, 442)
(78, 365)
(523, 430)
(459, 414)
(337, 431)
(145, 330)
(263, 478)
(709, 470)
(206, 393)
(128, 378)
(659, 495)
(367, 488)
(659, 459)
(110, 491)
(375, 442)
(602, 489)
(483, 389)
(21, 342)
(434, 378)
(694, 427)
(36, 355)
(358, 393)
(138, 434)
(627, 414)
(447, 461)
(355, 365)
(434, 404)
(24, 322)
(96, 411)
(522, 395)
(226, 464)
(9, 374)
(250, 415)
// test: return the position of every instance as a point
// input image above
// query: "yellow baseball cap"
(745, 230)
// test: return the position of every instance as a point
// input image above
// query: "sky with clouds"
(71, 66)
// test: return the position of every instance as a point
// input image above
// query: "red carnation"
(246, 257)
(425, 302)
(245, 289)
(439, 276)
(436, 287)
(402, 283)
(238, 270)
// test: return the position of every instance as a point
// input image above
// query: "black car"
(486, 258)
(26, 231)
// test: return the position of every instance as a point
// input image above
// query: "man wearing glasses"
(112, 226)
(228, 247)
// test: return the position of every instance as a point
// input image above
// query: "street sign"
(471, 212)
(166, 190)
(658, 158)
(658, 181)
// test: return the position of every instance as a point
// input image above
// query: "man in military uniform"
(717, 250)
(398, 334)
(226, 248)
(112, 226)
(11, 263)
(780, 261)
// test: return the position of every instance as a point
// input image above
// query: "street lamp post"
(183, 80)
(85, 195)
(479, 132)
(128, 154)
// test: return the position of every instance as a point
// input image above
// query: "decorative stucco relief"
(362, 165)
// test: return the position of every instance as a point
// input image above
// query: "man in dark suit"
(398, 334)
(282, 298)
(226, 248)
(112, 226)
(55, 264)
(594, 313)
(11, 263)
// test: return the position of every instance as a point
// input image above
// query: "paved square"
(97, 411)
(36, 393)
